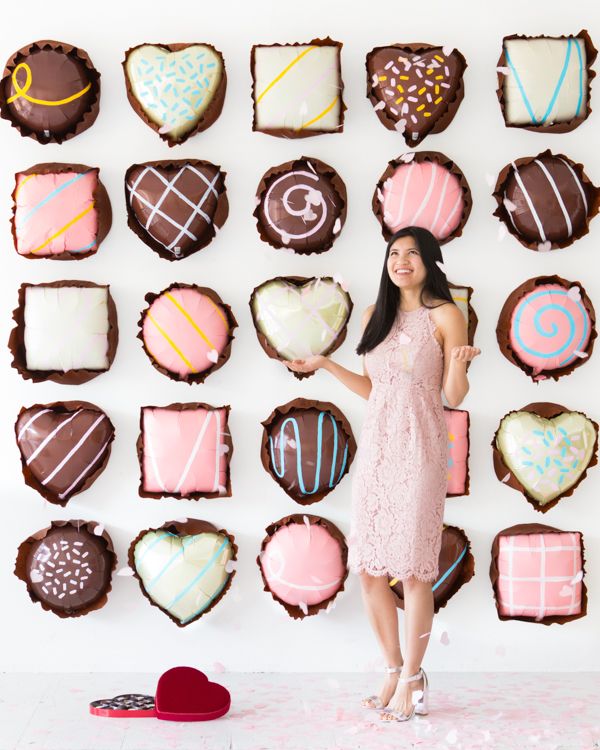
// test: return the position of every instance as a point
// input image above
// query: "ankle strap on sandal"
(412, 678)
(393, 670)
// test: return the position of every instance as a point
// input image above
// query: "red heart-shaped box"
(186, 694)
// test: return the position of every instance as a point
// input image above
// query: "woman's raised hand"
(310, 364)
(464, 353)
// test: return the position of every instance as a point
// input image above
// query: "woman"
(414, 339)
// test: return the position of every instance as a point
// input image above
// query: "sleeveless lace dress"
(400, 470)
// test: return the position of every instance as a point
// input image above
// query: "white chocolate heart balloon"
(547, 456)
(174, 89)
(183, 574)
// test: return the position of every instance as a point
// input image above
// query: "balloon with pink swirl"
(550, 327)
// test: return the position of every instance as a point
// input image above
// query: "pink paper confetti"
(339, 279)
(99, 529)
(218, 667)
(578, 577)
(490, 179)
(574, 293)
(408, 157)
(503, 70)
(544, 247)
(444, 639)
(126, 571)
(212, 355)
(447, 50)
(506, 478)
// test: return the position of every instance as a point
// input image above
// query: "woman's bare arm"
(457, 353)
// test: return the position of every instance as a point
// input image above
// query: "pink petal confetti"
(408, 157)
(223, 449)
(303, 607)
(166, 128)
(98, 529)
(222, 490)
(506, 478)
(502, 232)
(581, 355)
(578, 577)
(574, 293)
(444, 639)
(230, 566)
(388, 184)
(218, 667)
(503, 70)
(509, 205)
(337, 225)
(490, 179)
(329, 607)
(379, 195)
(441, 266)
(306, 520)
(182, 519)
(212, 355)
(544, 247)
(36, 577)
(404, 338)
(126, 571)
(257, 201)
(452, 736)
(447, 50)
(339, 279)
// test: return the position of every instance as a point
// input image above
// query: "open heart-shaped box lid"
(186, 694)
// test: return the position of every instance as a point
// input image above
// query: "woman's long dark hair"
(388, 297)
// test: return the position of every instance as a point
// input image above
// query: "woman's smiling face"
(405, 265)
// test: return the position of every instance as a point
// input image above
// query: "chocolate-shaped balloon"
(60, 211)
(67, 567)
(176, 89)
(537, 574)
(50, 91)
(307, 448)
(176, 207)
(547, 327)
(303, 564)
(301, 205)
(64, 447)
(544, 451)
(546, 201)
(544, 81)
(187, 332)
(456, 567)
(184, 451)
(297, 88)
(457, 423)
(297, 317)
(184, 567)
(461, 295)
(66, 331)
(415, 89)
(424, 189)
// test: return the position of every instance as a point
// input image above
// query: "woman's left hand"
(464, 353)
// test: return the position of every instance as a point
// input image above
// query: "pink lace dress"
(400, 470)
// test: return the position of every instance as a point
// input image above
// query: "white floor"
(309, 711)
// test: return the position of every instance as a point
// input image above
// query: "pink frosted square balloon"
(55, 213)
(457, 423)
(538, 575)
(184, 451)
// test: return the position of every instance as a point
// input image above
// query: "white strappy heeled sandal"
(376, 704)
(421, 706)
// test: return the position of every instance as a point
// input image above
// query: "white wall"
(248, 631)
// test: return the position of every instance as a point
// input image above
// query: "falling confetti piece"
(404, 338)
(126, 571)
(408, 157)
(444, 639)
(509, 205)
(166, 128)
(213, 355)
(183, 519)
(99, 529)
(379, 195)
(504, 71)
(36, 576)
(506, 478)
(447, 51)
(337, 225)
(441, 266)
(303, 607)
(574, 293)
(502, 232)
(544, 247)
(223, 449)
(578, 577)
(230, 566)
(218, 667)
(581, 355)
(339, 279)
(490, 179)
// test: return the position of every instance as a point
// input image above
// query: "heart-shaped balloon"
(547, 449)
(64, 447)
(296, 317)
(177, 89)
(182, 567)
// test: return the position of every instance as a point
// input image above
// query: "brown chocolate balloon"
(64, 447)
(176, 207)
(301, 205)
(307, 448)
(546, 201)
(415, 89)
(67, 567)
(50, 91)
(456, 567)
